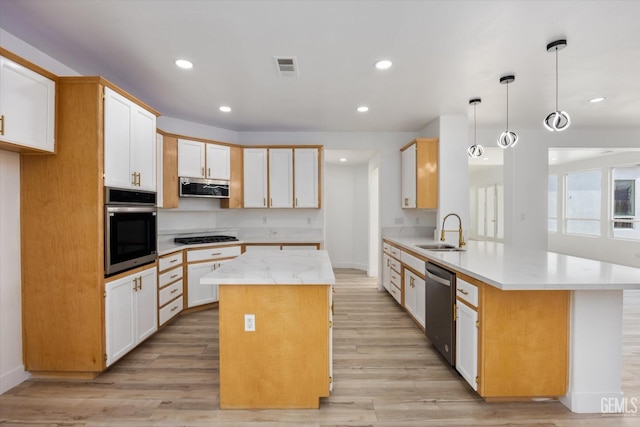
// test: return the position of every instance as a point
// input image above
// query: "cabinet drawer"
(170, 261)
(414, 262)
(170, 276)
(395, 293)
(395, 264)
(212, 253)
(396, 279)
(386, 248)
(467, 292)
(169, 293)
(170, 311)
(395, 252)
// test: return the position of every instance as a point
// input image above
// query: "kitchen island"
(275, 324)
(515, 276)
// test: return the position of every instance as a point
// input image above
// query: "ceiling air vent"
(287, 67)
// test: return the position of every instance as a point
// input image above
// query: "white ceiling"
(444, 52)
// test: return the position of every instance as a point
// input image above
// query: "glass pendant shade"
(475, 150)
(507, 138)
(558, 120)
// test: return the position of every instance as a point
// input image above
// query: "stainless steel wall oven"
(130, 224)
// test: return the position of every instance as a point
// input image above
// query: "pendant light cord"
(557, 78)
(507, 107)
(474, 124)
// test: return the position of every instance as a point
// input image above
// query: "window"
(552, 204)
(582, 203)
(624, 202)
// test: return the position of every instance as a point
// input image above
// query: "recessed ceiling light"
(598, 99)
(184, 64)
(225, 109)
(343, 159)
(383, 64)
(362, 109)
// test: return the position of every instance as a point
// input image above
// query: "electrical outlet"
(249, 322)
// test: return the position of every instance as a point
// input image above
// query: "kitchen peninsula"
(541, 316)
(275, 311)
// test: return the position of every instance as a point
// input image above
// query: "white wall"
(526, 177)
(453, 171)
(11, 368)
(603, 247)
(347, 215)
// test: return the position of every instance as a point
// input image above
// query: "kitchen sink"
(440, 247)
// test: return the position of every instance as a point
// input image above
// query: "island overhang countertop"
(295, 267)
(511, 268)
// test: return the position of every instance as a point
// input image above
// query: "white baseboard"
(353, 265)
(9, 380)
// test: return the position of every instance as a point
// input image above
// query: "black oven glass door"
(130, 237)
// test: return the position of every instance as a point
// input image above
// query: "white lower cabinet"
(414, 296)
(201, 294)
(130, 312)
(467, 343)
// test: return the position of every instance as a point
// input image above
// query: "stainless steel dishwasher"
(440, 296)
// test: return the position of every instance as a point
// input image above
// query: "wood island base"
(285, 362)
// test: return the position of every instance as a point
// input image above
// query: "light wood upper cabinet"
(306, 178)
(129, 144)
(198, 159)
(27, 108)
(280, 178)
(255, 177)
(420, 174)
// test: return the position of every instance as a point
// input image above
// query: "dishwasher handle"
(435, 278)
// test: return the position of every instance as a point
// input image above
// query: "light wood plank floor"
(386, 374)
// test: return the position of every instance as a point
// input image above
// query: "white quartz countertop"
(509, 267)
(302, 267)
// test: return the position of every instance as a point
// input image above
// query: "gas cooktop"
(194, 240)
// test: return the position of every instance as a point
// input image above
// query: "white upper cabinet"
(255, 177)
(409, 177)
(191, 158)
(27, 107)
(129, 144)
(306, 178)
(203, 160)
(280, 178)
(218, 161)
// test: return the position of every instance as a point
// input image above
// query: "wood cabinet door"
(143, 148)
(306, 178)
(119, 318)
(467, 343)
(280, 178)
(27, 104)
(117, 140)
(218, 161)
(409, 177)
(146, 304)
(191, 158)
(255, 177)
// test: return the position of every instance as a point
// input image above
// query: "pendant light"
(475, 150)
(507, 138)
(557, 120)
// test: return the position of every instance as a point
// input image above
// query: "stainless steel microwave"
(200, 187)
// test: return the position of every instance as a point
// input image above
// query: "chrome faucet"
(461, 241)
